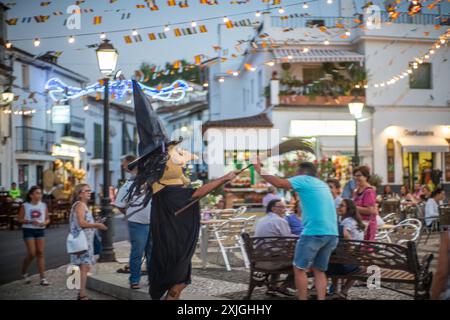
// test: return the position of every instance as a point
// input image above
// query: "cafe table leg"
(204, 245)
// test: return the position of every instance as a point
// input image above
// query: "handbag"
(77, 244)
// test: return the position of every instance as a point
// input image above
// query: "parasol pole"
(199, 198)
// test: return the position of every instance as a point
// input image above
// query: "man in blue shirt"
(320, 234)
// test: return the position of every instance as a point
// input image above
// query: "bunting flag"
(26, 20)
(140, 6)
(112, 1)
(229, 24)
(171, 3)
(128, 39)
(88, 10)
(12, 22)
(45, 4)
(243, 23)
(41, 19)
(154, 7)
(183, 4)
(97, 20)
(177, 32)
(137, 38)
(203, 1)
(162, 35)
(80, 2)
(151, 36)
(176, 64)
(126, 16)
(57, 13)
(203, 29)
(198, 59)
(275, 2)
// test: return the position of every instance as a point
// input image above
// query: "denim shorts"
(314, 252)
(29, 233)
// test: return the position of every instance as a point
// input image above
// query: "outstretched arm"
(209, 187)
(273, 180)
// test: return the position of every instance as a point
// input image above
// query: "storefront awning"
(316, 55)
(424, 144)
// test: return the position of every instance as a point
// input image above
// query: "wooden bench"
(397, 263)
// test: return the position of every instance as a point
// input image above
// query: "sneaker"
(44, 282)
(26, 278)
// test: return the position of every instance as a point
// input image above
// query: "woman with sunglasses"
(81, 219)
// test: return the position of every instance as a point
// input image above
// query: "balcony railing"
(75, 128)
(34, 140)
(329, 22)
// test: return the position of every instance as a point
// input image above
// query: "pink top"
(368, 198)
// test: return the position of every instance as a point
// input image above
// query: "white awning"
(316, 55)
(424, 144)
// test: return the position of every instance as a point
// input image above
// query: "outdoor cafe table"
(204, 237)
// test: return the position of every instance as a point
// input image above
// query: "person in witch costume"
(160, 175)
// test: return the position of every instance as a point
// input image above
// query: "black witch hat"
(151, 131)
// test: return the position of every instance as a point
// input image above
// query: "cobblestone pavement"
(211, 281)
(57, 289)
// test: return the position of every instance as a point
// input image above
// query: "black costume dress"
(174, 238)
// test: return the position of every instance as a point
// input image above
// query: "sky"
(78, 57)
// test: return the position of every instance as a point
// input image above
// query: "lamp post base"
(107, 254)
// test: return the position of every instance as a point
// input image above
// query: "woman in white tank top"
(33, 215)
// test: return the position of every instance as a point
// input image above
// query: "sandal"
(83, 297)
(125, 269)
(135, 286)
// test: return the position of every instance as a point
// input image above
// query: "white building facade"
(404, 126)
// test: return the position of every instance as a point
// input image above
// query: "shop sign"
(418, 133)
(61, 114)
(65, 150)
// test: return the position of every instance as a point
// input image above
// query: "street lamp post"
(107, 61)
(356, 108)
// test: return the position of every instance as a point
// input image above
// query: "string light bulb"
(221, 79)
(348, 33)
(134, 32)
(305, 50)
(71, 39)
(86, 108)
(270, 63)
(166, 28)
(36, 42)
(193, 24)
(326, 42)
(281, 10)
(102, 35)
(305, 6)
(49, 111)
(432, 51)
(205, 85)
(235, 73)
(225, 19)
(330, 1)
(8, 45)
(257, 14)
